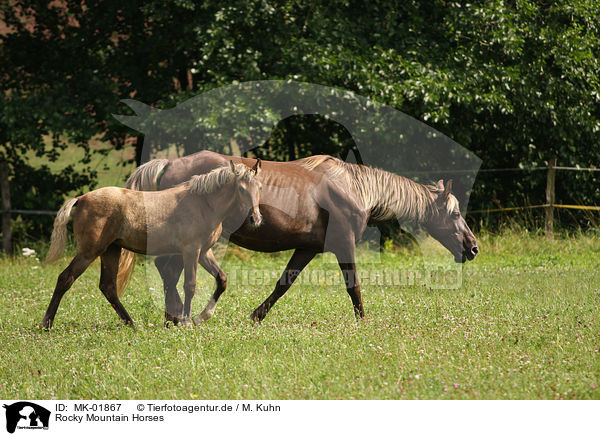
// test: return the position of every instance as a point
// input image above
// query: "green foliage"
(516, 82)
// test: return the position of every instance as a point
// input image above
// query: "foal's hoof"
(187, 322)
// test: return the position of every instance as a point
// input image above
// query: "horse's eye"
(455, 214)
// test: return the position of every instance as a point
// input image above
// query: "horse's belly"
(158, 242)
(271, 237)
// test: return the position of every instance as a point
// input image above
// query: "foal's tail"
(58, 239)
(145, 178)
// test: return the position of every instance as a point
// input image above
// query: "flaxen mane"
(217, 178)
(386, 195)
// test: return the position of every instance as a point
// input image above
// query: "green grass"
(524, 325)
(112, 169)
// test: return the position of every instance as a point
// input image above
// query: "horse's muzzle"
(468, 253)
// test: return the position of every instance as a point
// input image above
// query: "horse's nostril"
(475, 250)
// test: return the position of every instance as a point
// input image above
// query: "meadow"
(524, 324)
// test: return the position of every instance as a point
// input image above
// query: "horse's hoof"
(187, 323)
(203, 317)
(199, 320)
(257, 317)
(174, 320)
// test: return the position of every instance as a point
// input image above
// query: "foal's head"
(247, 189)
(447, 225)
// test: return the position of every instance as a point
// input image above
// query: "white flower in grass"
(28, 251)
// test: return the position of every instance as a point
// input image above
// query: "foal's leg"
(208, 261)
(190, 262)
(347, 265)
(108, 283)
(77, 266)
(170, 268)
(297, 263)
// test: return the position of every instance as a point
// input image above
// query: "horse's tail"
(145, 178)
(58, 240)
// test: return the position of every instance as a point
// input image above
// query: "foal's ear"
(256, 168)
(447, 189)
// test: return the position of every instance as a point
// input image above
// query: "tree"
(514, 81)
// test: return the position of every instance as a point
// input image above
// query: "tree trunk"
(5, 188)
(141, 155)
(550, 198)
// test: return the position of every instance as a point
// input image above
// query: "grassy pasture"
(524, 325)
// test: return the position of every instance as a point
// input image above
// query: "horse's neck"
(222, 201)
(388, 196)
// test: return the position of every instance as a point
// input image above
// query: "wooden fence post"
(550, 198)
(5, 188)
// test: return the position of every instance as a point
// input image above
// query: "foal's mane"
(386, 195)
(217, 178)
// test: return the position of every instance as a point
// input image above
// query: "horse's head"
(447, 225)
(248, 188)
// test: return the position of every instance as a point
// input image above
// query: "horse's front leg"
(345, 257)
(208, 261)
(190, 262)
(170, 268)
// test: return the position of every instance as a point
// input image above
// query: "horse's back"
(298, 201)
(181, 169)
(110, 210)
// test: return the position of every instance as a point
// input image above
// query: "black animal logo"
(28, 415)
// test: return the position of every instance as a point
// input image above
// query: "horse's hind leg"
(108, 281)
(66, 278)
(209, 263)
(297, 263)
(169, 268)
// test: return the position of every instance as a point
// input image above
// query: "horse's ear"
(231, 164)
(440, 184)
(447, 189)
(256, 168)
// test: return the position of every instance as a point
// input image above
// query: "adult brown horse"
(311, 205)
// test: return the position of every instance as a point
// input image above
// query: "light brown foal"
(185, 220)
